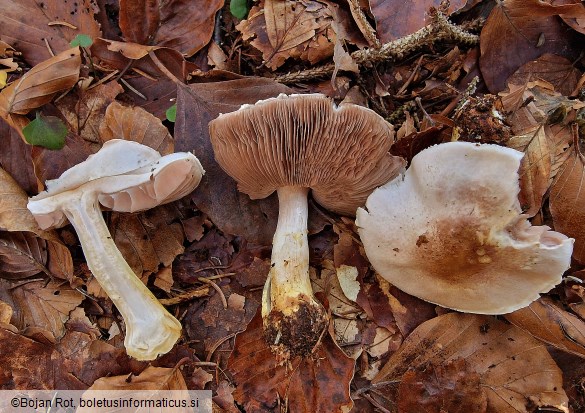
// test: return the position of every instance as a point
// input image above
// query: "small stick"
(216, 288)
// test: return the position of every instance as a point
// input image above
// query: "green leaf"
(172, 113)
(46, 131)
(239, 8)
(81, 40)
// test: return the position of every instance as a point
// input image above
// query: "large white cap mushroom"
(293, 144)
(123, 176)
(451, 232)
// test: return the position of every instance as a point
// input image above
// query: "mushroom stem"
(293, 319)
(150, 329)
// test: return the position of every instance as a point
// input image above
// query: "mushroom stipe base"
(296, 334)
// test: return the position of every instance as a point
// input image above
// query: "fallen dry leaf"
(38, 87)
(22, 254)
(148, 239)
(518, 31)
(178, 24)
(290, 29)
(318, 384)
(567, 202)
(535, 168)
(232, 211)
(395, 18)
(16, 159)
(136, 124)
(26, 364)
(44, 306)
(152, 378)
(40, 84)
(515, 370)
(450, 387)
(15, 217)
(84, 110)
(556, 70)
(549, 323)
(25, 25)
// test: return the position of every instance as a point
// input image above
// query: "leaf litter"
(207, 256)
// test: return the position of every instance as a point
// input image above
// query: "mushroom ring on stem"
(128, 177)
(451, 232)
(291, 145)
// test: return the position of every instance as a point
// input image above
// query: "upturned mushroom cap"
(451, 232)
(341, 153)
(128, 177)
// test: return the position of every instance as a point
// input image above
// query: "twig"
(186, 296)
(440, 29)
(217, 344)
(216, 288)
(132, 89)
(362, 22)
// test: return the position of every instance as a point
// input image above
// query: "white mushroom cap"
(127, 176)
(451, 232)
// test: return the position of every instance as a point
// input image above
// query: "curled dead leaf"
(549, 323)
(515, 370)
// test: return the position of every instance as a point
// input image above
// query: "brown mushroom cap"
(126, 177)
(451, 232)
(341, 153)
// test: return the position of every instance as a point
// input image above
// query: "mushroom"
(123, 176)
(291, 145)
(451, 232)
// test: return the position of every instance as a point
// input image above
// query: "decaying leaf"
(44, 306)
(518, 31)
(232, 211)
(290, 29)
(549, 323)
(318, 384)
(395, 18)
(152, 378)
(178, 24)
(515, 370)
(450, 387)
(136, 124)
(148, 239)
(38, 87)
(567, 202)
(84, 110)
(22, 254)
(25, 25)
(28, 253)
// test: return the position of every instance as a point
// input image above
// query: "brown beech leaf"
(232, 211)
(177, 24)
(22, 254)
(450, 387)
(45, 306)
(515, 370)
(40, 84)
(535, 168)
(317, 384)
(25, 25)
(28, 252)
(290, 29)
(567, 202)
(518, 31)
(16, 159)
(398, 18)
(152, 378)
(50, 164)
(26, 364)
(148, 239)
(84, 110)
(556, 70)
(548, 322)
(136, 124)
